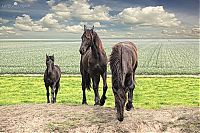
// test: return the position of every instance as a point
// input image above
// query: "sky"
(64, 19)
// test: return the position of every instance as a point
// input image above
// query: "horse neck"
(97, 48)
(95, 51)
(50, 70)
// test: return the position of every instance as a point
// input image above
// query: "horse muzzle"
(120, 117)
(82, 51)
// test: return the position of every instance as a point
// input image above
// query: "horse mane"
(116, 65)
(98, 42)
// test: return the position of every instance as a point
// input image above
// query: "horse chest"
(94, 68)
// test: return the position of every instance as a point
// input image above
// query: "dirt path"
(90, 119)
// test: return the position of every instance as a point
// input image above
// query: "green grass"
(149, 92)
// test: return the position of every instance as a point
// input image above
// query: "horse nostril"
(82, 51)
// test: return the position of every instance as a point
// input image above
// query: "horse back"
(126, 52)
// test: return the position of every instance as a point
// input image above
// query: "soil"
(96, 119)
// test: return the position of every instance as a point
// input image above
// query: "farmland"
(161, 56)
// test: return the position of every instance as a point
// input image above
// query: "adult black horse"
(123, 63)
(52, 78)
(93, 63)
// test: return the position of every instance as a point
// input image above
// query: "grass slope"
(149, 92)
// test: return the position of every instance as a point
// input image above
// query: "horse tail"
(136, 61)
(136, 64)
(87, 81)
(122, 76)
(116, 65)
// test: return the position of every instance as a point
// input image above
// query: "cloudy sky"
(64, 19)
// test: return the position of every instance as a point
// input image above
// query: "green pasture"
(149, 92)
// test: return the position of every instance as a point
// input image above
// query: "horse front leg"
(47, 93)
(95, 81)
(56, 91)
(53, 88)
(105, 87)
(84, 101)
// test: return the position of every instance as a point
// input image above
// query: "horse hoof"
(102, 101)
(129, 106)
(97, 103)
(84, 103)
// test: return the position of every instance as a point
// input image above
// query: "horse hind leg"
(131, 86)
(105, 87)
(129, 105)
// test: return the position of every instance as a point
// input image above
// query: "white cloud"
(102, 31)
(74, 29)
(97, 24)
(62, 15)
(71, 29)
(24, 1)
(80, 9)
(51, 3)
(193, 32)
(153, 16)
(6, 30)
(3, 21)
(25, 23)
(90, 24)
(74, 10)
(49, 21)
(196, 30)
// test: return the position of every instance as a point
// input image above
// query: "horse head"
(49, 63)
(120, 99)
(87, 40)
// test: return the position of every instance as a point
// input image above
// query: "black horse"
(123, 63)
(93, 63)
(52, 78)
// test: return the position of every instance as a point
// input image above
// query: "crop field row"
(156, 56)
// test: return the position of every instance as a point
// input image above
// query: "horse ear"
(92, 28)
(53, 57)
(46, 56)
(85, 27)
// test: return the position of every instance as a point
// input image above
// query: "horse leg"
(53, 93)
(95, 81)
(47, 93)
(56, 91)
(84, 101)
(103, 97)
(131, 86)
